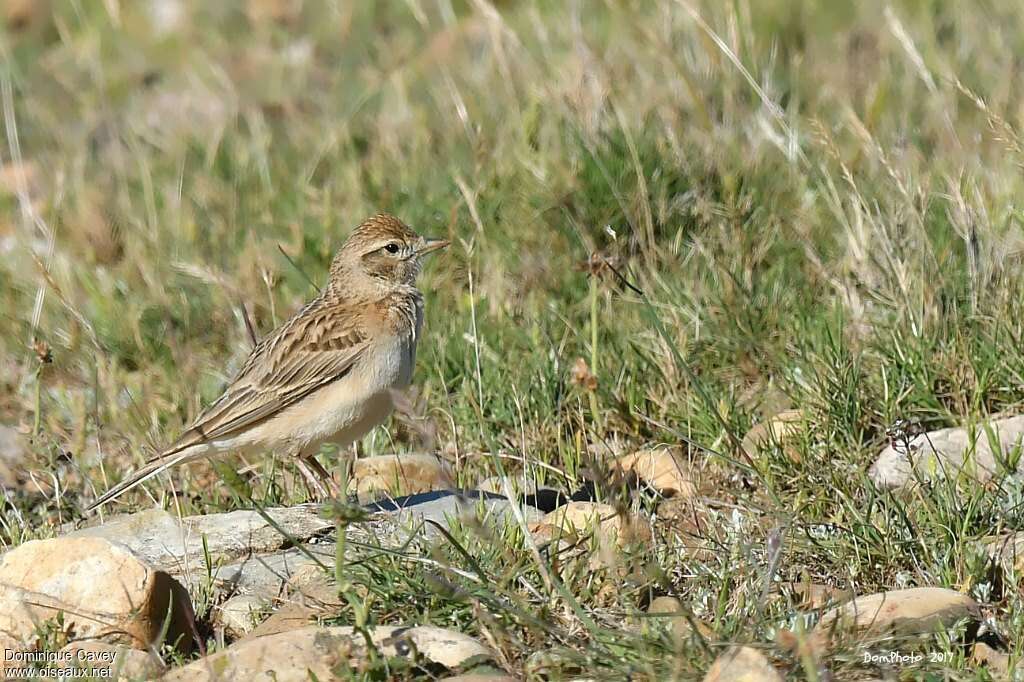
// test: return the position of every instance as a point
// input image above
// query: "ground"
(670, 221)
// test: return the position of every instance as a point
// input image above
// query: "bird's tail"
(151, 469)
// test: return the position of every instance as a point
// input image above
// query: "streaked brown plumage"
(326, 373)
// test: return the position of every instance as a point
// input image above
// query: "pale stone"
(325, 652)
(240, 614)
(997, 662)
(914, 611)
(664, 469)
(742, 664)
(290, 616)
(591, 531)
(123, 663)
(669, 610)
(577, 517)
(780, 429)
(425, 512)
(244, 553)
(949, 452)
(664, 605)
(401, 474)
(310, 597)
(178, 546)
(104, 591)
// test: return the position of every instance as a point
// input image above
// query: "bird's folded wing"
(307, 353)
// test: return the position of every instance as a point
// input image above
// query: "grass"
(815, 207)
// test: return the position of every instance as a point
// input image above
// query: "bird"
(328, 373)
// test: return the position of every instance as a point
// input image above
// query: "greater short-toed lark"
(325, 375)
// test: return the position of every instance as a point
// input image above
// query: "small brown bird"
(325, 375)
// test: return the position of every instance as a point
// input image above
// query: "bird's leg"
(326, 479)
(314, 486)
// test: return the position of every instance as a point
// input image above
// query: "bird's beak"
(430, 244)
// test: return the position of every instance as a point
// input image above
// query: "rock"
(249, 555)
(742, 664)
(914, 611)
(327, 652)
(265, 574)
(664, 605)
(122, 662)
(178, 547)
(104, 591)
(577, 517)
(664, 469)
(441, 507)
(997, 662)
(240, 614)
(669, 610)
(245, 553)
(286, 619)
(566, 533)
(395, 475)
(948, 452)
(780, 429)
(309, 599)
(317, 590)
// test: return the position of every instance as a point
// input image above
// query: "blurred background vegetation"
(817, 200)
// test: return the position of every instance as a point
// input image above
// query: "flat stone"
(742, 664)
(948, 452)
(604, 519)
(669, 610)
(246, 554)
(780, 429)
(910, 612)
(177, 547)
(265, 574)
(113, 661)
(327, 652)
(426, 511)
(997, 662)
(241, 614)
(664, 469)
(286, 619)
(104, 591)
(386, 476)
(592, 531)
(309, 598)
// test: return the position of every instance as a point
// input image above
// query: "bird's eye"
(391, 248)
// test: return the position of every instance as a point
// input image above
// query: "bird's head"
(383, 252)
